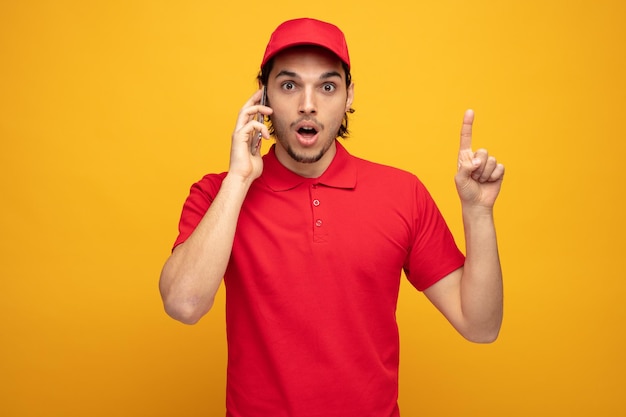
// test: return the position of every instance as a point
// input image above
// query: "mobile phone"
(257, 135)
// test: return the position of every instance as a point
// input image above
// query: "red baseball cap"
(307, 31)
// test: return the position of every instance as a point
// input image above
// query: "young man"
(311, 243)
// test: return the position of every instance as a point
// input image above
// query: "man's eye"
(329, 88)
(288, 86)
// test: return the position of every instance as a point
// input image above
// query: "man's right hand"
(243, 163)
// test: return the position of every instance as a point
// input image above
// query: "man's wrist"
(477, 211)
(237, 182)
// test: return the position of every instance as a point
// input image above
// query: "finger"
(476, 163)
(497, 174)
(249, 109)
(252, 113)
(256, 97)
(490, 166)
(252, 127)
(259, 132)
(466, 131)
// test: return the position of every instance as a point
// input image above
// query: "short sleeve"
(433, 253)
(200, 198)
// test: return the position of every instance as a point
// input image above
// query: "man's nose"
(308, 103)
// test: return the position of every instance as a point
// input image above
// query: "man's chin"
(305, 157)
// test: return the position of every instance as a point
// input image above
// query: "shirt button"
(316, 203)
(318, 223)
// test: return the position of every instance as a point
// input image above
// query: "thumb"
(468, 163)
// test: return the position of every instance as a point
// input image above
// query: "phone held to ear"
(255, 142)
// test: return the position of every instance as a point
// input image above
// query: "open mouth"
(307, 131)
(307, 134)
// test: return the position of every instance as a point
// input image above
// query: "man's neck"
(306, 169)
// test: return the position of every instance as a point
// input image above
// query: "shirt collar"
(341, 173)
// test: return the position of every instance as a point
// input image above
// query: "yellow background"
(109, 110)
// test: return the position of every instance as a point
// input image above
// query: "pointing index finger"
(466, 131)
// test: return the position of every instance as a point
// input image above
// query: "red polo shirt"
(312, 285)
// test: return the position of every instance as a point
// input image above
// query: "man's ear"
(350, 98)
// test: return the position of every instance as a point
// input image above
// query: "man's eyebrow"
(285, 73)
(330, 74)
(324, 76)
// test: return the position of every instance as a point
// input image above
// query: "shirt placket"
(320, 228)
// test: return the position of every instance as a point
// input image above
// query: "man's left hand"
(479, 176)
